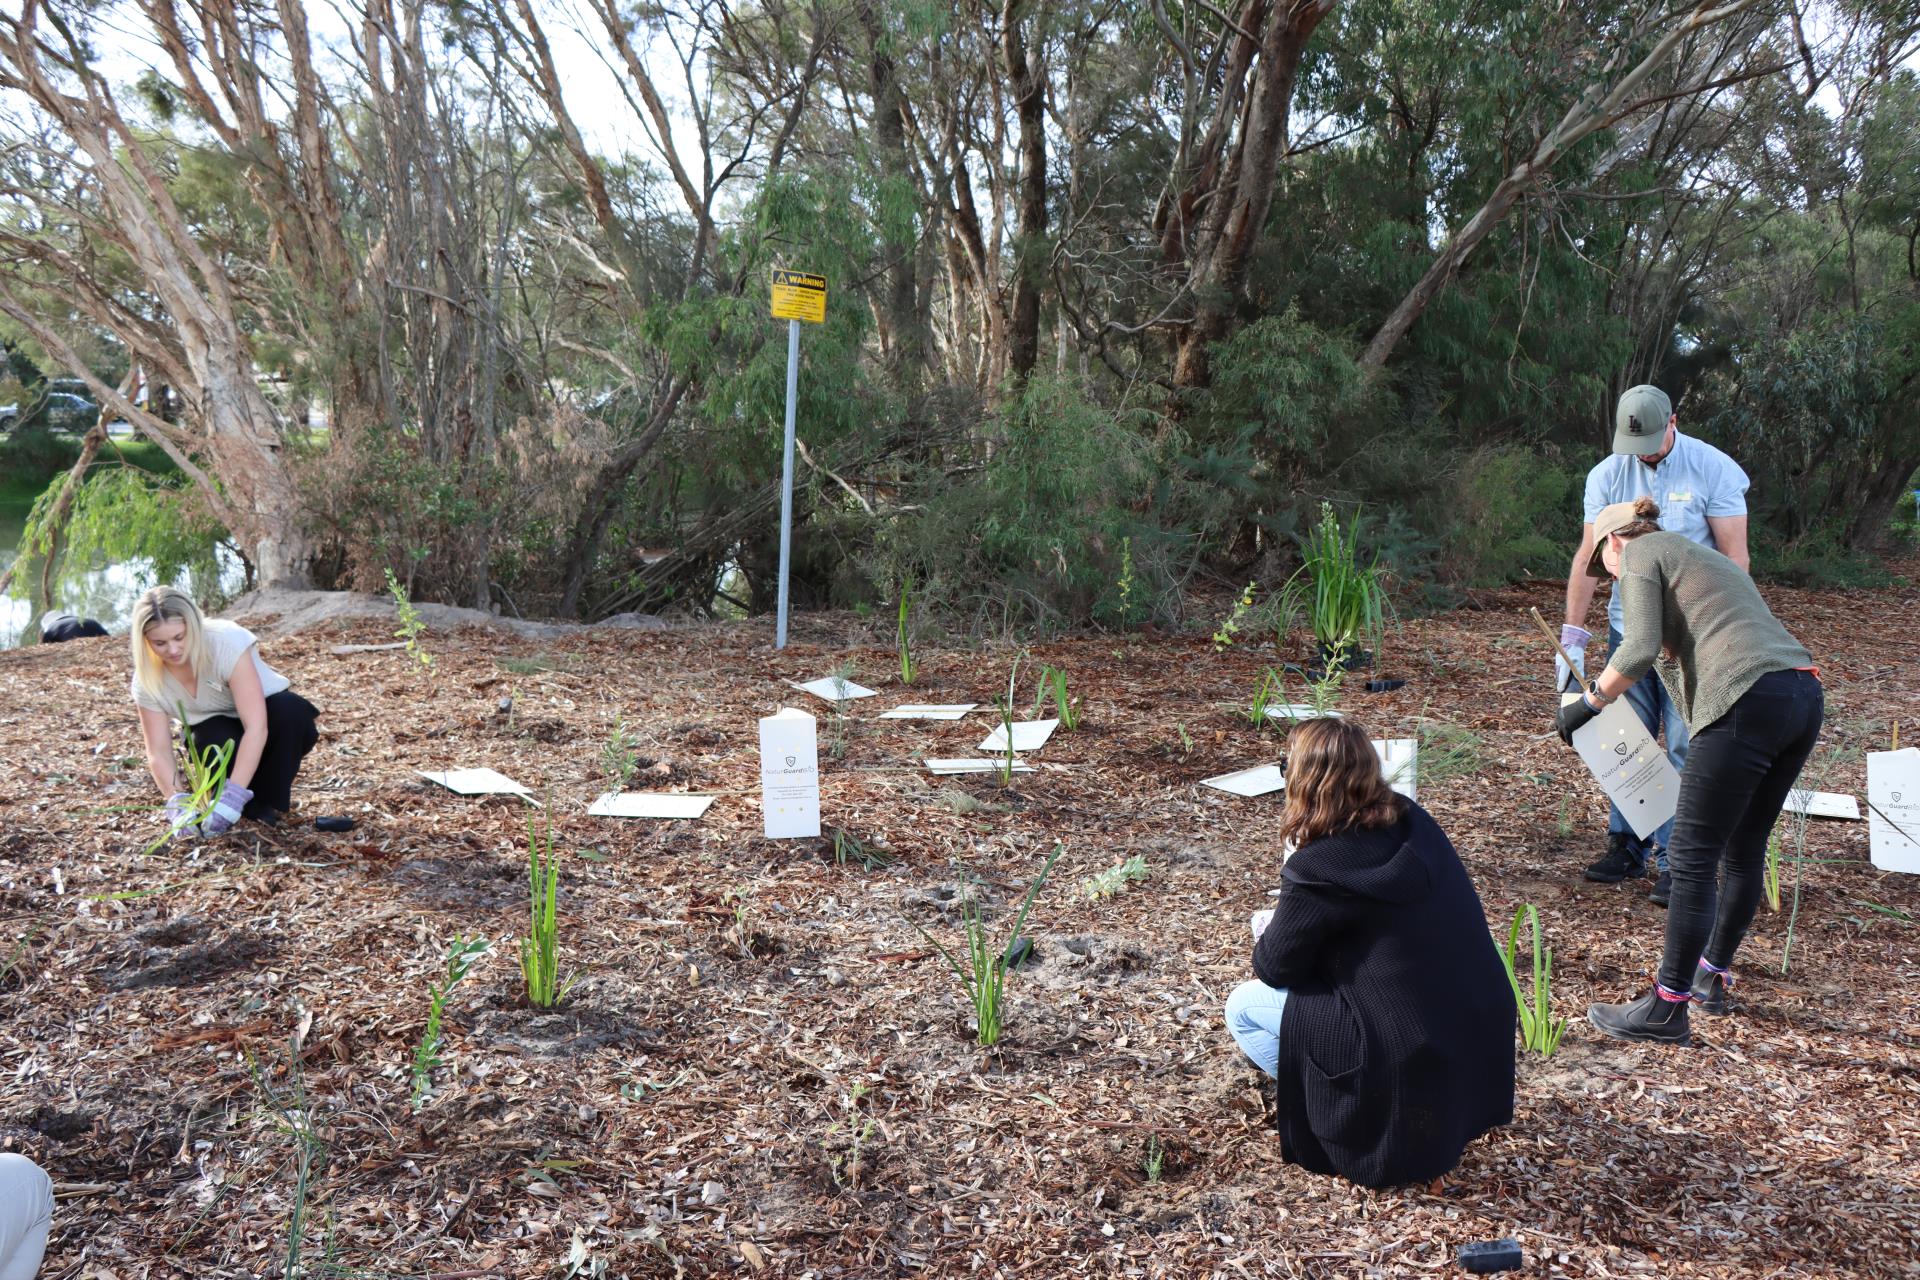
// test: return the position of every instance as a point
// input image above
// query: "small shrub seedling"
(1265, 694)
(618, 757)
(411, 627)
(1449, 751)
(984, 976)
(1540, 1031)
(847, 847)
(1125, 586)
(1053, 688)
(1155, 1160)
(540, 949)
(461, 957)
(908, 667)
(1230, 625)
(1115, 879)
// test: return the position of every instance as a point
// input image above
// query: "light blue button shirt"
(1692, 482)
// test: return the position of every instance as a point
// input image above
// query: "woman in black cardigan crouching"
(1381, 1008)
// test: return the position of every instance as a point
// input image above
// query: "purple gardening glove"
(226, 810)
(180, 817)
(1574, 640)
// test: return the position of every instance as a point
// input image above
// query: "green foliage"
(540, 949)
(849, 848)
(1155, 1159)
(411, 627)
(123, 514)
(618, 757)
(1771, 872)
(1230, 625)
(1271, 689)
(1343, 602)
(1053, 688)
(1540, 1031)
(461, 957)
(1449, 751)
(204, 773)
(1515, 512)
(902, 636)
(983, 977)
(1114, 880)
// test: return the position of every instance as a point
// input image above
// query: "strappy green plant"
(1540, 1031)
(983, 976)
(1269, 691)
(1344, 602)
(540, 949)
(1053, 688)
(903, 637)
(204, 773)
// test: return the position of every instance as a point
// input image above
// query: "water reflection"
(108, 593)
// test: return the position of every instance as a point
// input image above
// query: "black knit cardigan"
(1397, 1041)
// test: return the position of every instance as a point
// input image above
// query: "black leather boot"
(1651, 1018)
(1710, 990)
(1625, 860)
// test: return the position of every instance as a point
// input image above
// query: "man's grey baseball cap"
(1640, 420)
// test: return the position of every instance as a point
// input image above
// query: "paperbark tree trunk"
(1026, 73)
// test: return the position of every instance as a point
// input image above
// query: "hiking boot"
(1662, 889)
(1710, 989)
(1624, 861)
(1652, 1018)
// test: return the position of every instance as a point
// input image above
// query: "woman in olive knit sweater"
(1751, 696)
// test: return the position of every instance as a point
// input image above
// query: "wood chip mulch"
(764, 1069)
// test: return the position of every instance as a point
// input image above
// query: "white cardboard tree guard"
(789, 775)
(1630, 766)
(1028, 735)
(1400, 764)
(929, 711)
(834, 689)
(1823, 804)
(1893, 809)
(944, 767)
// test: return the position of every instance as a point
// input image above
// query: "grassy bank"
(29, 465)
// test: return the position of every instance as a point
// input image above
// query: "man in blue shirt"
(1703, 494)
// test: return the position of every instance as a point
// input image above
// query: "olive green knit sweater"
(1699, 604)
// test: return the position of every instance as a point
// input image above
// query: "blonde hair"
(1334, 783)
(157, 607)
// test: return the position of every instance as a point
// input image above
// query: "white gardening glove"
(1574, 640)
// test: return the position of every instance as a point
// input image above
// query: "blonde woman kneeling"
(211, 669)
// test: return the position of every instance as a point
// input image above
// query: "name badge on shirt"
(1679, 496)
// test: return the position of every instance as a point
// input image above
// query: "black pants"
(290, 735)
(1739, 771)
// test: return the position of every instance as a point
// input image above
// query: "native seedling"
(618, 757)
(1230, 625)
(1053, 688)
(1186, 739)
(1540, 1031)
(1156, 1158)
(1006, 726)
(1771, 876)
(1125, 586)
(540, 949)
(1344, 603)
(1449, 751)
(846, 1165)
(1563, 825)
(411, 627)
(203, 773)
(1265, 694)
(984, 975)
(1115, 879)
(908, 667)
(461, 957)
(848, 847)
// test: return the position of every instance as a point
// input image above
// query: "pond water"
(107, 593)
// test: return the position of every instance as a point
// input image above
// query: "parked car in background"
(67, 411)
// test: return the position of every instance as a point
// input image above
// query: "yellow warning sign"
(799, 296)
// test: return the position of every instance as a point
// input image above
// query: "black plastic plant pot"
(1333, 658)
(1383, 686)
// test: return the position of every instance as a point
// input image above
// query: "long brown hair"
(1334, 782)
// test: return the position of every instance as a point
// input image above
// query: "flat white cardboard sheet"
(649, 804)
(1823, 804)
(944, 767)
(1257, 781)
(1028, 735)
(834, 690)
(929, 711)
(1893, 809)
(480, 782)
(1630, 766)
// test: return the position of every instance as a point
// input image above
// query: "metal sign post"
(797, 296)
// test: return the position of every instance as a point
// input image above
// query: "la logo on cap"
(1633, 426)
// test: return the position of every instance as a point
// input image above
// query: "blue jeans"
(1649, 700)
(1253, 1016)
(1743, 766)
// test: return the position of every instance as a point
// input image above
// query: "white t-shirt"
(227, 643)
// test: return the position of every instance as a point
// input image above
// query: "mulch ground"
(764, 1069)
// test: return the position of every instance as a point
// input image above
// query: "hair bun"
(1646, 509)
